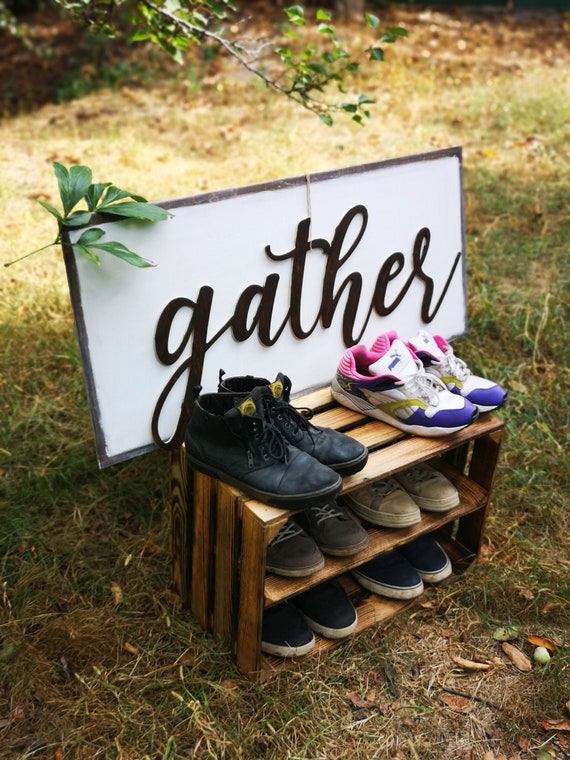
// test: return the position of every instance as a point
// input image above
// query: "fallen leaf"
(459, 704)
(358, 701)
(556, 725)
(540, 641)
(461, 662)
(117, 593)
(506, 632)
(518, 659)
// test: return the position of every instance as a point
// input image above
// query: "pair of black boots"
(248, 435)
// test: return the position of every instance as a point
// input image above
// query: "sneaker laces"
(454, 366)
(423, 386)
(326, 512)
(289, 530)
(419, 474)
(386, 486)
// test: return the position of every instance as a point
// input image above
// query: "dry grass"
(97, 660)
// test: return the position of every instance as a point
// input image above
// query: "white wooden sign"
(274, 277)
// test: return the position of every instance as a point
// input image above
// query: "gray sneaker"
(384, 503)
(430, 489)
(293, 553)
(334, 530)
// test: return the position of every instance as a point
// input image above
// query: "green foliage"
(75, 185)
(312, 56)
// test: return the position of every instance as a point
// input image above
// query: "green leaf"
(115, 194)
(295, 14)
(90, 236)
(95, 193)
(73, 184)
(122, 252)
(376, 54)
(322, 15)
(84, 250)
(145, 212)
(77, 219)
(364, 99)
(326, 119)
(398, 31)
(51, 210)
(371, 20)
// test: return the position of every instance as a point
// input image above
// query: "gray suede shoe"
(384, 503)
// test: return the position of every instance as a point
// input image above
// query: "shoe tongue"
(397, 361)
(424, 343)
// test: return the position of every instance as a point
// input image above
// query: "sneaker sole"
(435, 577)
(331, 633)
(296, 572)
(362, 406)
(310, 499)
(433, 505)
(384, 519)
(343, 551)
(285, 650)
(393, 592)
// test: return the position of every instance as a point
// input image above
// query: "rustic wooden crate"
(219, 536)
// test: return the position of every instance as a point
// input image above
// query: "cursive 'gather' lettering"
(254, 310)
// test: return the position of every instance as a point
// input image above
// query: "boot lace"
(269, 441)
(295, 421)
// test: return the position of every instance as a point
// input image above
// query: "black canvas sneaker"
(293, 553)
(338, 451)
(328, 610)
(427, 558)
(334, 530)
(239, 445)
(285, 632)
(390, 575)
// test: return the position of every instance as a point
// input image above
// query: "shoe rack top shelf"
(390, 449)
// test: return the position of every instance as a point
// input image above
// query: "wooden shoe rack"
(219, 536)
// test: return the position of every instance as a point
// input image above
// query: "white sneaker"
(389, 383)
(438, 359)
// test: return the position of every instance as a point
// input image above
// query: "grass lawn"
(97, 659)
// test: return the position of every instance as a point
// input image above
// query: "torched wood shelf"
(219, 536)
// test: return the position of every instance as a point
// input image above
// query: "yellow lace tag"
(247, 408)
(276, 389)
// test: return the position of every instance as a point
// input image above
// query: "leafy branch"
(302, 70)
(76, 187)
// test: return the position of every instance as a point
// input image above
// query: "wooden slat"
(180, 519)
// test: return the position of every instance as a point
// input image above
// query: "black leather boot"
(240, 446)
(331, 447)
